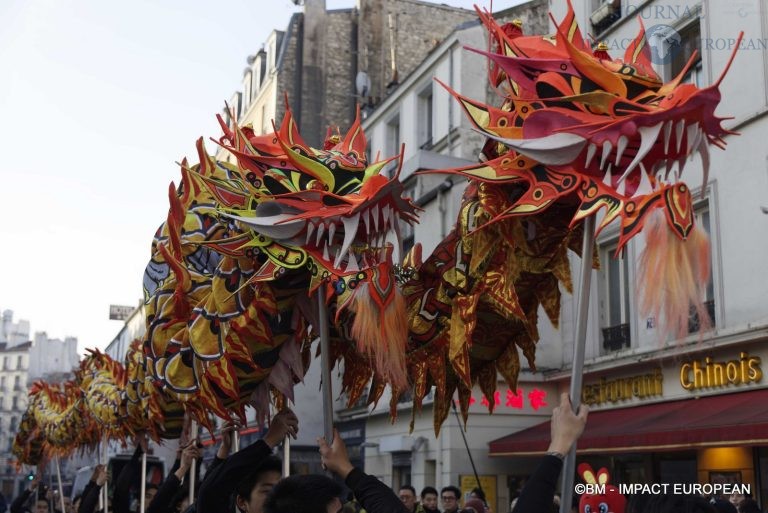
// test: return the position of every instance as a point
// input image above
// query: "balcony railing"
(616, 337)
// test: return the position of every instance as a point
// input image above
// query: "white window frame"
(607, 244)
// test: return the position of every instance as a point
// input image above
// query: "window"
(16, 382)
(15, 404)
(393, 137)
(702, 219)
(5, 363)
(690, 41)
(614, 298)
(20, 363)
(2, 383)
(604, 14)
(425, 118)
(406, 229)
(401, 469)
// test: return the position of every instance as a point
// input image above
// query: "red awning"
(729, 419)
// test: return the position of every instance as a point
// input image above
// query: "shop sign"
(641, 386)
(515, 400)
(709, 373)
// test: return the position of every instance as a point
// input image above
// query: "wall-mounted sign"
(120, 312)
(709, 373)
(623, 389)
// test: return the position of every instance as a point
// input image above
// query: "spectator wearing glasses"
(449, 496)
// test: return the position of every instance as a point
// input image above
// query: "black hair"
(303, 494)
(409, 487)
(749, 506)
(672, 503)
(452, 489)
(268, 464)
(479, 493)
(151, 486)
(428, 489)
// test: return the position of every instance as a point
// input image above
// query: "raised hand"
(284, 423)
(334, 457)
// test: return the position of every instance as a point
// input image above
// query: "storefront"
(701, 417)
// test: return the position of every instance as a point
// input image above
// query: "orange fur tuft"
(382, 335)
(673, 276)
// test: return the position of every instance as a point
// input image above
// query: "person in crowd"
(749, 505)
(449, 496)
(251, 473)
(428, 502)
(92, 490)
(474, 504)
(289, 496)
(407, 494)
(674, 503)
(166, 500)
(41, 504)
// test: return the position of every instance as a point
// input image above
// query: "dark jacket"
(539, 492)
(373, 495)
(220, 481)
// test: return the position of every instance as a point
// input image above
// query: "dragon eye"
(587, 508)
(603, 507)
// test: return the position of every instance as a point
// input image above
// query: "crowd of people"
(251, 481)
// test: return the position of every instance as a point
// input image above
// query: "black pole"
(471, 460)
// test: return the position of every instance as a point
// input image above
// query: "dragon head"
(328, 213)
(577, 126)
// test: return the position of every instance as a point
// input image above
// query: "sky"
(98, 100)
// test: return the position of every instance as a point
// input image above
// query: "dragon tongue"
(350, 229)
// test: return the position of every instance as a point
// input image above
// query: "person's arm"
(217, 486)
(228, 431)
(91, 493)
(373, 495)
(539, 492)
(121, 495)
(17, 506)
(163, 500)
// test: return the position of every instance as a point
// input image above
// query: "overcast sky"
(97, 101)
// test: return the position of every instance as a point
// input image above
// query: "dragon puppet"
(251, 247)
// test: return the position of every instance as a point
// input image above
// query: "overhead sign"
(120, 312)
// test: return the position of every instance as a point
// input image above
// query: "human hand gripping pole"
(334, 457)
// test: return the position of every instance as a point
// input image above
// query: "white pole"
(105, 459)
(287, 457)
(142, 503)
(325, 366)
(61, 488)
(193, 466)
(577, 371)
(235, 440)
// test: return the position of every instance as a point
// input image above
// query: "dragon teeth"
(325, 253)
(621, 146)
(375, 215)
(331, 231)
(704, 154)
(648, 136)
(310, 230)
(352, 263)
(667, 135)
(679, 134)
(607, 147)
(591, 150)
(320, 231)
(350, 229)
